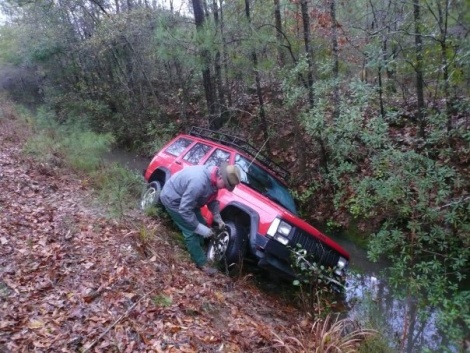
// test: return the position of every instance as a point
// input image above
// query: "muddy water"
(368, 296)
(127, 159)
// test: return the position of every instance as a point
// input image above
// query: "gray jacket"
(189, 190)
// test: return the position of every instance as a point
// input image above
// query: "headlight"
(284, 229)
(281, 239)
(273, 227)
(279, 230)
(340, 266)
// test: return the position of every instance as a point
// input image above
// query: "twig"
(462, 199)
(116, 322)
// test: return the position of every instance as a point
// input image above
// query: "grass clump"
(328, 335)
(70, 143)
(117, 187)
(162, 300)
(73, 145)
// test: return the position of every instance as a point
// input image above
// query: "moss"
(374, 344)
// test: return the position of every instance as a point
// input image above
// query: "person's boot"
(208, 270)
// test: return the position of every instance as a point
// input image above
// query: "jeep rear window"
(261, 181)
(177, 147)
(196, 153)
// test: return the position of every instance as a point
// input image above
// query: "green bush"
(72, 145)
(69, 143)
(318, 286)
(117, 187)
(404, 191)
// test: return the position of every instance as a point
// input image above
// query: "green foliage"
(9, 46)
(73, 145)
(117, 187)
(83, 150)
(411, 198)
(162, 300)
(305, 195)
(318, 285)
(68, 143)
(158, 135)
(374, 344)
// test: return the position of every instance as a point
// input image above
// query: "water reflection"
(372, 301)
(408, 329)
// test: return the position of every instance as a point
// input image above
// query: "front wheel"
(150, 196)
(228, 247)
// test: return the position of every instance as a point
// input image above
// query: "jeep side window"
(261, 181)
(218, 157)
(177, 147)
(196, 153)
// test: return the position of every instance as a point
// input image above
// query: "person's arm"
(214, 207)
(187, 206)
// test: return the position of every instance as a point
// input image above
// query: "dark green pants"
(194, 242)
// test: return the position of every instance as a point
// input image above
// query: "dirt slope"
(71, 278)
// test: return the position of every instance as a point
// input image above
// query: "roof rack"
(242, 145)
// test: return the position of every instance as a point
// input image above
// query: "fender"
(162, 174)
(254, 221)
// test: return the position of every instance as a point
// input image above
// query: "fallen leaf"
(88, 265)
(6, 323)
(129, 295)
(35, 324)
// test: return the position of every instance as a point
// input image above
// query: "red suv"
(260, 214)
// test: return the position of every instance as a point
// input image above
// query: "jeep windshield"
(261, 181)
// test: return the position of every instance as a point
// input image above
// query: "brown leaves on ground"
(72, 280)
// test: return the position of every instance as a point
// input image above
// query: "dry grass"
(13, 126)
(331, 335)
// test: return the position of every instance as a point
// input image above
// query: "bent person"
(186, 192)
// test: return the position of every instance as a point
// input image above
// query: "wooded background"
(366, 102)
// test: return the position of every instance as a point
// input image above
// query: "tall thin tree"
(334, 44)
(308, 49)
(199, 18)
(281, 57)
(259, 91)
(421, 118)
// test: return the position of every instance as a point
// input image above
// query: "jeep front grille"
(321, 253)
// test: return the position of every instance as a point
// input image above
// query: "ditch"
(368, 298)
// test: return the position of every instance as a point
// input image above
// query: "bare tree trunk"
(225, 55)
(298, 129)
(383, 57)
(443, 16)
(419, 69)
(206, 73)
(308, 50)
(278, 23)
(218, 66)
(259, 92)
(334, 40)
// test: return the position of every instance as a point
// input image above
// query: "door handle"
(178, 162)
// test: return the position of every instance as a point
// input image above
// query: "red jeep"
(261, 217)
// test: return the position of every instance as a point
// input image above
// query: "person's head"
(229, 176)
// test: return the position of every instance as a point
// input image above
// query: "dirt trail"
(70, 277)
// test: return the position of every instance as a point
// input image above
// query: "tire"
(150, 195)
(230, 248)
